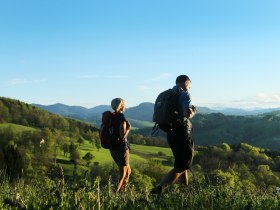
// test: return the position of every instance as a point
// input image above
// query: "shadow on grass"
(148, 155)
(86, 149)
(63, 161)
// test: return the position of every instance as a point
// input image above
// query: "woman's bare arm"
(124, 129)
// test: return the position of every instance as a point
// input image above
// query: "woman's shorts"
(120, 156)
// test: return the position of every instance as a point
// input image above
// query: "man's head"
(184, 82)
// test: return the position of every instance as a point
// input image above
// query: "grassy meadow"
(16, 128)
(86, 193)
(139, 154)
(51, 194)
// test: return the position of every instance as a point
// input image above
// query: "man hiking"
(179, 135)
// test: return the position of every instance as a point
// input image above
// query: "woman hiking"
(120, 151)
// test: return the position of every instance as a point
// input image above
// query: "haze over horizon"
(229, 109)
(86, 53)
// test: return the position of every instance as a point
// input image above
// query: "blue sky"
(87, 52)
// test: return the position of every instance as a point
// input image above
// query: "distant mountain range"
(244, 112)
(141, 113)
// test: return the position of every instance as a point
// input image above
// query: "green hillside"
(65, 141)
(16, 128)
(31, 138)
(211, 129)
(239, 177)
(51, 162)
(139, 154)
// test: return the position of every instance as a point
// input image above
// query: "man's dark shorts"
(181, 144)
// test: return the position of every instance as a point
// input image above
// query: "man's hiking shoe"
(157, 190)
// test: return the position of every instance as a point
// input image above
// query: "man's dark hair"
(181, 79)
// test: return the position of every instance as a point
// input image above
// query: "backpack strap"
(118, 118)
(155, 130)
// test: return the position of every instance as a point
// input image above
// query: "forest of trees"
(211, 129)
(31, 151)
(17, 112)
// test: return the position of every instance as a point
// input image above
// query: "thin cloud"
(109, 76)
(261, 100)
(144, 88)
(36, 81)
(160, 77)
(23, 81)
(268, 97)
(117, 76)
(17, 81)
(88, 76)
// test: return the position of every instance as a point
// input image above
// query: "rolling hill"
(209, 129)
(142, 112)
(141, 115)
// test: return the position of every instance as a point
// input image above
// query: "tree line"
(30, 152)
(216, 128)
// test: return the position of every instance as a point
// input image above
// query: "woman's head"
(118, 104)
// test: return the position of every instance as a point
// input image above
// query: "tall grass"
(56, 194)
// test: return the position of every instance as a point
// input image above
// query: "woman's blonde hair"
(116, 103)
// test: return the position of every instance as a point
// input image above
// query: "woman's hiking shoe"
(124, 188)
(157, 190)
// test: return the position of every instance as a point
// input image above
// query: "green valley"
(51, 162)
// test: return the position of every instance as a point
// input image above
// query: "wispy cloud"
(17, 81)
(88, 76)
(92, 76)
(23, 81)
(151, 86)
(144, 88)
(117, 76)
(268, 98)
(38, 80)
(160, 77)
(261, 100)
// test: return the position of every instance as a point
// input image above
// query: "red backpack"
(109, 130)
